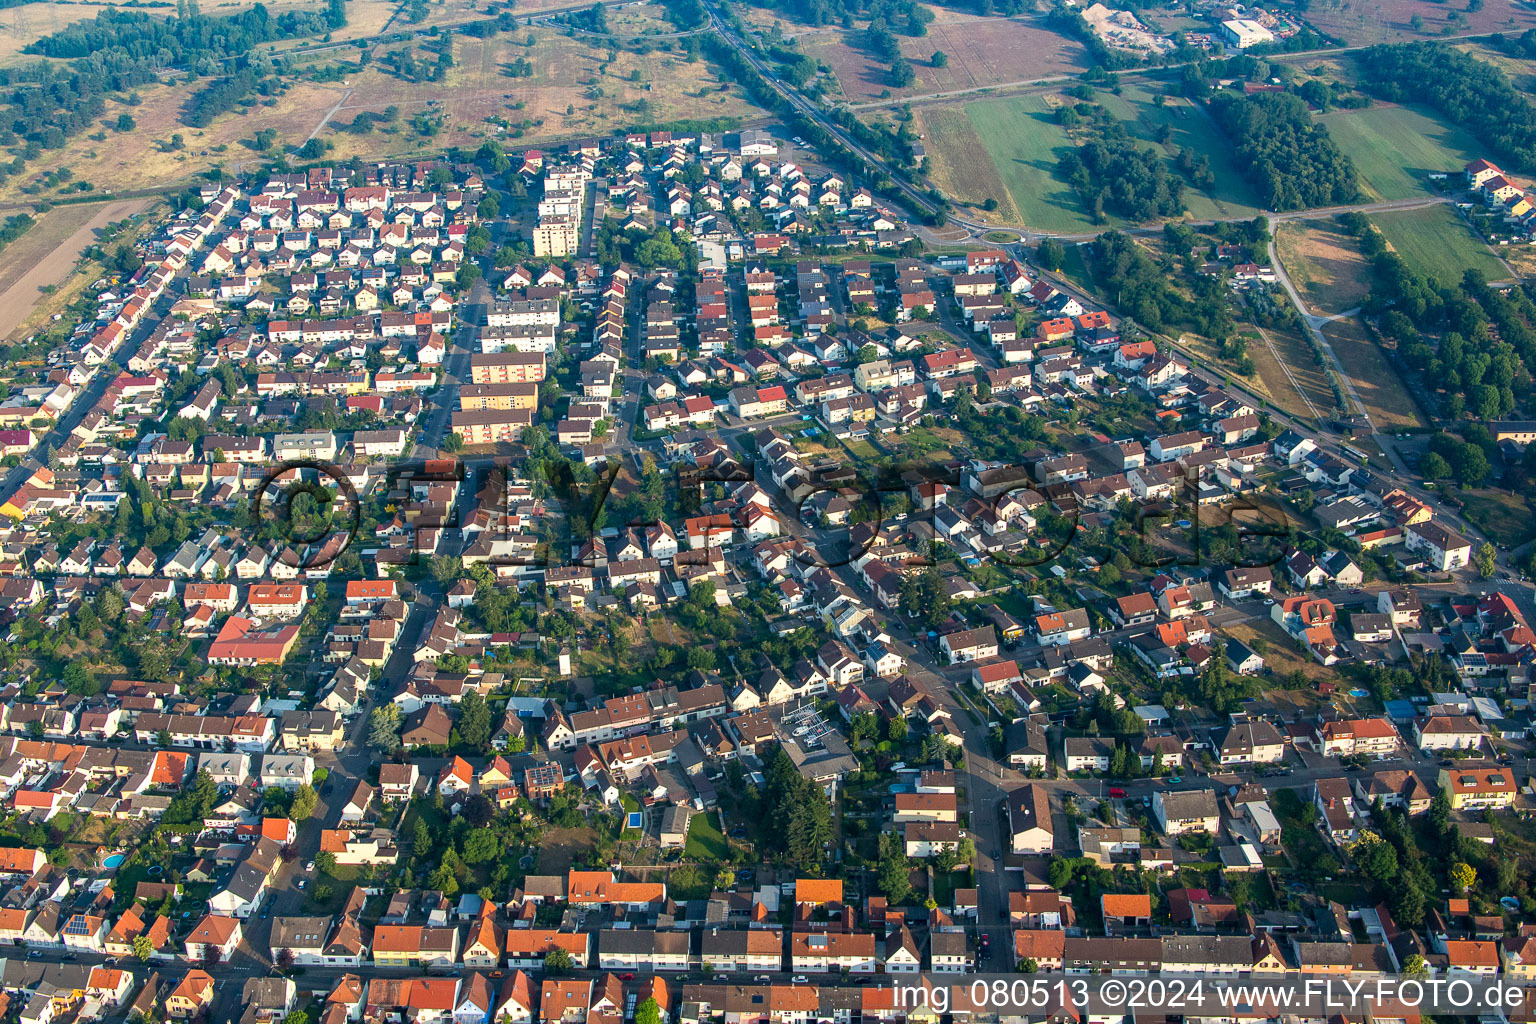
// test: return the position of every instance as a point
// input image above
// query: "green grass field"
(1025, 143)
(1436, 242)
(1395, 147)
(1231, 197)
(1022, 137)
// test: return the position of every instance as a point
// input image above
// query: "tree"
(648, 1012)
(304, 803)
(558, 961)
(296, 1017)
(1028, 965)
(1484, 559)
(796, 815)
(325, 862)
(1462, 876)
(384, 728)
(475, 720)
(1470, 465)
(480, 846)
(1434, 467)
(894, 876)
(940, 59)
(126, 123)
(1415, 967)
(284, 959)
(1050, 254)
(143, 948)
(446, 569)
(925, 596)
(154, 658)
(177, 142)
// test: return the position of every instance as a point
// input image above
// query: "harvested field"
(1324, 264)
(1507, 519)
(1270, 379)
(982, 52)
(46, 254)
(1289, 374)
(1375, 377)
(959, 163)
(1363, 22)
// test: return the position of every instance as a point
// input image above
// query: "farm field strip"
(1376, 380)
(960, 164)
(1025, 142)
(1436, 242)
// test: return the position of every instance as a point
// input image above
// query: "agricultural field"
(1435, 241)
(1363, 22)
(958, 162)
(1284, 372)
(1376, 380)
(1396, 147)
(1021, 144)
(1231, 197)
(1507, 519)
(1294, 381)
(981, 52)
(1324, 264)
(46, 254)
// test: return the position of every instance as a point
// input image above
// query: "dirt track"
(39, 258)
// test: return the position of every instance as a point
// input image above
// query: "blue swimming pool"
(114, 861)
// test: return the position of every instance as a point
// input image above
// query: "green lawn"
(1435, 241)
(1074, 266)
(1394, 148)
(705, 840)
(1025, 143)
